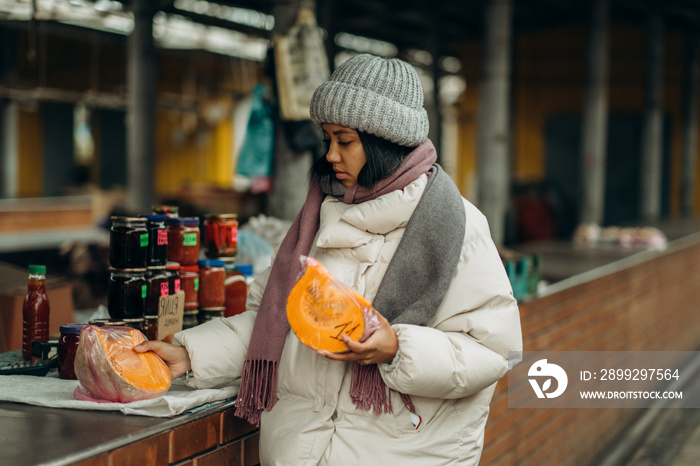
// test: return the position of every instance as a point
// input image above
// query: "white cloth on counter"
(50, 391)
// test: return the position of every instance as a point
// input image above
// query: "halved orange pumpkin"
(320, 309)
(109, 369)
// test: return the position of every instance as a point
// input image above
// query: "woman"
(384, 219)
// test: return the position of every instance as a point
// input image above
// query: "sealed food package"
(109, 370)
(320, 309)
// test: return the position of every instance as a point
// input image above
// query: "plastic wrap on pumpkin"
(320, 309)
(109, 370)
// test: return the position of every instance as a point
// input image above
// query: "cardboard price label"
(171, 310)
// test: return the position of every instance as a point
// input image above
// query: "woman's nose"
(332, 156)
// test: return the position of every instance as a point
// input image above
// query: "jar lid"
(164, 208)
(151, 317)
(154, 217)
(138, 270)
(107, 322)
(187, 221)
(134, 320)
(245, 269)
(210, 263)
(189, 268)
(212, 309)
(193, 313)
(37, 269)
(156, 268)
(128, 219)
(73, 329)
(221, 216)
(170, 265)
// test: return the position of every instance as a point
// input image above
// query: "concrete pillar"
(141, 114)
(690, 125)
(493, 154)
(650, 196)
(595, 118)
(9, 159)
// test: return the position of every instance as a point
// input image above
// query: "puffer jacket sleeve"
(217, 349)
(466, 347)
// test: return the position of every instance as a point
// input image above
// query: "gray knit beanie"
(374, 95)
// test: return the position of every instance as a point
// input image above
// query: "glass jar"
(137, 324)
(183, 240)
(126, 294)
(190, 319)
(207, 314)
(236, 290)
(158, 285)
(221, 235)
(67, 346)
(150, 327)
(169, 211)
(172, 271)
(212, 292)
(157, 254)
(189, 279)
(128, 243)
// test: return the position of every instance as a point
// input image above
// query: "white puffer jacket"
(449, 368)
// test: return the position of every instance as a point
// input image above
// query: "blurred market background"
(572, 125)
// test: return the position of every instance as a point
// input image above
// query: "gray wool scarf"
(411, 291)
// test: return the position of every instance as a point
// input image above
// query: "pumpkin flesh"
(320, 309)
(109, 370)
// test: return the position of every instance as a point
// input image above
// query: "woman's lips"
(341, 175)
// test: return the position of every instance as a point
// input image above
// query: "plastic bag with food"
(320, 309)
(109, 370)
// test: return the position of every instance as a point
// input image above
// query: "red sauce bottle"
(35, 310)
(236, 285)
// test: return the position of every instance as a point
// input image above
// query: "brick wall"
(218, 439)
(650, 306)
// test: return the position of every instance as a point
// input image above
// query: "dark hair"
(383, 158)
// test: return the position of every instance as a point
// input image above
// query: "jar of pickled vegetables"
(221, 235)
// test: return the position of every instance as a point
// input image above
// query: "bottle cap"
(245, 269)
(71, 328)
(210, 263)
(37, 269)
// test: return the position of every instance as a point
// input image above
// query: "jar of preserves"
(128, 243)
(212, 276)
(236, 286)
(172, 271)
(221, 235)
(207, 314)
(126, 293)
(167, 210)
(157, 253)
(158, 285)
(67, 346)
(189, 280)
(150, 327)
(183, 240)
(190, 319)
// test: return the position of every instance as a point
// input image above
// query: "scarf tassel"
(258, 390)
(368, 390)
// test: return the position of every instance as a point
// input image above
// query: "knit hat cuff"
(364, 110)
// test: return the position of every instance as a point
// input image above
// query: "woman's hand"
(175, 357)
(379, 348)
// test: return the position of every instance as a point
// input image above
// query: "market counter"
(209, 435)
